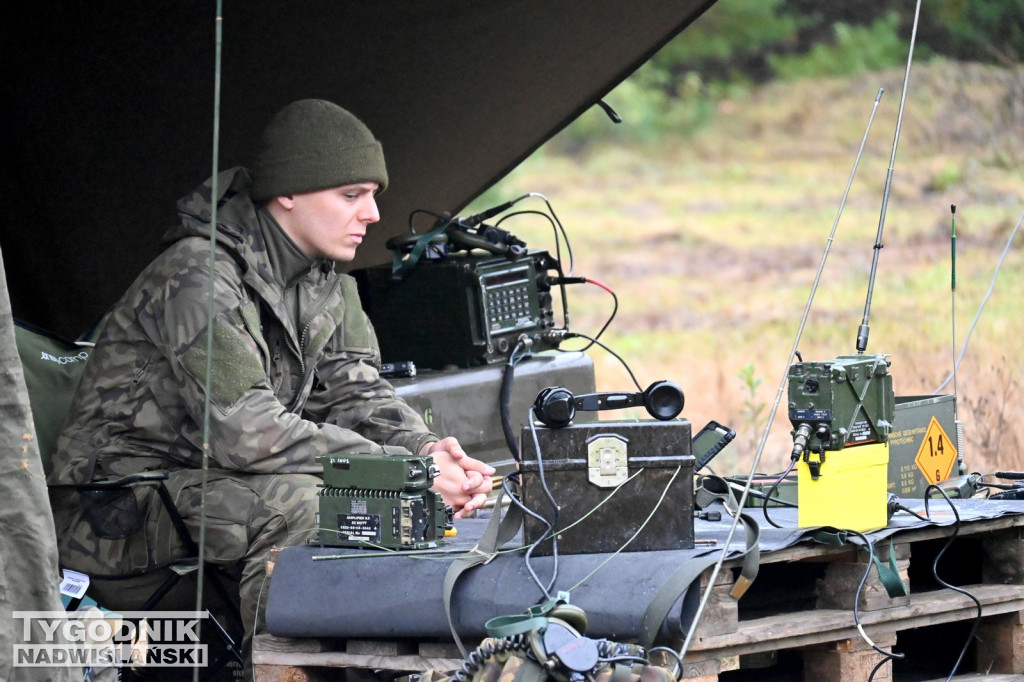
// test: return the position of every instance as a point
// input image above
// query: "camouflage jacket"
(280, 393)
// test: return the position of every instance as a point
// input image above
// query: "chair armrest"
(141, 478)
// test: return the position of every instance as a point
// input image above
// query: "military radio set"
(841, 403)
(461, 294)
(382, 501)
(845, 416)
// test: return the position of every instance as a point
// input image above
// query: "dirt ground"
(712, 241)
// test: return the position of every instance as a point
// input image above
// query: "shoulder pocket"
(234, 365)
(356, 327)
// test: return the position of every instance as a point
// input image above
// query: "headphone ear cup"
(664, 400)
(571, 615)
(555, 407)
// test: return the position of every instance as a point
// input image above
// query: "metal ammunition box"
(617, 485)
(923, 438)
(464, 402)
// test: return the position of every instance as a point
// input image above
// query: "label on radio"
(364, 527)
(810, 415)
(861, 432)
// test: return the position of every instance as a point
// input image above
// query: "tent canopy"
(109, 118)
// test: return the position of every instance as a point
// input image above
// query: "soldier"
(294, 364)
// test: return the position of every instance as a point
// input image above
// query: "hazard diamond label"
(937, 453)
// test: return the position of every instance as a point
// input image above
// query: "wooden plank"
(340, 659)
(839, 587)
(808, 551)
(439, 650)
(374, 647)
(1003, 557)
(848, 661)
(268, 650)
(270, 643)
(790, 630)
(1001, 644)
(276, 673)
(721, 613)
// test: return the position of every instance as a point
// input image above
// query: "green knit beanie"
(311, 145)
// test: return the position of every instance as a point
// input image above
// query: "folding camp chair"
(52, 368)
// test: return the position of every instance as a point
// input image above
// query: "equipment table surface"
(371, 606)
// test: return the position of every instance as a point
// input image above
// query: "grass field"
(711, 239)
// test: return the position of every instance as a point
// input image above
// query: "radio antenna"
(864, 330)
(782, 386)
(952, 279)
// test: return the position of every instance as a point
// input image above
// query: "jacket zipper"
(318, 308)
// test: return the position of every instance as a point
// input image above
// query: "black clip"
(815, 467)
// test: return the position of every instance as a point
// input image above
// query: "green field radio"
(842, 402)
(380, 501)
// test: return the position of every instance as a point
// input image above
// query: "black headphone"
(555, 406)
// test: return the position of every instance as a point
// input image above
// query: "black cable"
(675, 655)
(486, 651)
(505, 401)
(877, 668)
(609, 350)
(549, 533)
(436, 216)
(556, 226)
(514, 498)
(889, 655)
(758, 477)
(757, 494)
(615, 310)
(900, 507)
(935, 573)
(771, 492)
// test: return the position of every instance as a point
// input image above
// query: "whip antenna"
(782, 385)
(864, 330)
(952, 278)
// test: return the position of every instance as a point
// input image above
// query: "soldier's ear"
(286, 202)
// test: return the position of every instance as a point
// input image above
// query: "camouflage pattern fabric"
(29, 575)
(295, 374)
(283, 390)
(246, 516)
(517, 666)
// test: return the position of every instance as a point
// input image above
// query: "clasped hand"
(464, 482)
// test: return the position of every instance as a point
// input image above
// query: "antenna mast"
(864, 329)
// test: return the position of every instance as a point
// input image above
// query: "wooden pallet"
(796, 621)
(802, 603)
(277, 659)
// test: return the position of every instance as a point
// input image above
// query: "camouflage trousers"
(246, 516)
(490, 663)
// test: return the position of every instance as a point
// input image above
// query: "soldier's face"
(330, 223)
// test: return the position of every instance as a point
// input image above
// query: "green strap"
(712, 489)
(400, 266)
(668, 594)
(499, 531)
(508, 626)
(833, 537)
(716, 488)
(890, 575)
(538, 616)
